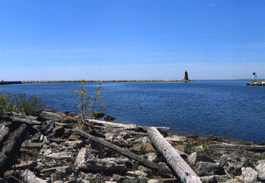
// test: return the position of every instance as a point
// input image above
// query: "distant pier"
(78, 81)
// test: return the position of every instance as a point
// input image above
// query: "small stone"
(208, 168)
(61, 155)
(74, 144)
(151, 157)
(261, 169)
(29, 177)
(195, 157)
(153, 181)
(249, 175)
(137, 172)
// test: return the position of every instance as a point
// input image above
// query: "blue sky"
(131, 39)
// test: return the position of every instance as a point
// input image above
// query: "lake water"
(227, 108)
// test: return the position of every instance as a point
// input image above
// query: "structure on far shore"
(186, 77)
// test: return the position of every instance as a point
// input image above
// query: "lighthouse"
(186, 77)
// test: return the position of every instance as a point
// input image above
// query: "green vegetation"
(190, 147)
(19, 103)
(87, 103)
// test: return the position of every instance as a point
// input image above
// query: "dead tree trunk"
(122, 151)
(7, 150)
(180, 167)
(25, 120)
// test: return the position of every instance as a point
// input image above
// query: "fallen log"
(122, 151)
(132, 127)
(234, 147)
(25, 120)
(8, 148)
(115, 125)
(44, 115)
(180, 167)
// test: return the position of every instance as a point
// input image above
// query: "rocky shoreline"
(52, 147)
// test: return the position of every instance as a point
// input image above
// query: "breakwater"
(73, 81)
(257, 83)
(10, 82)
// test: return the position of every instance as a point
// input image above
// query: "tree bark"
(180, 167)
(122, 151)
(25, 120)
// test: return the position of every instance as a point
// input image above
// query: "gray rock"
(215, 178)
(144, 169)
(125, 135)
(153, 181)
(137, 173)
(249, 175)
(86, 160)
(182, 154)
(61, 155)
(36, 137)
(195, 157)
(261, 169)
(113, 138)
(74, 144)
(232, 163)
(208, 168)
(29, 177)
(39, 167)
(47, 127)
(151, 157)
(61, 173)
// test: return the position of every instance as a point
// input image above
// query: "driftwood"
(7, 150)
(25, 120)
(132, 127)
(180, 167)
(233, 147)
(115, 125)
(122, 151)
(44, 115)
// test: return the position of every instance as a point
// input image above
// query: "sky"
(131, 39)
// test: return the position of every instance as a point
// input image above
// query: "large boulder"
(86, 160)
(232, 163)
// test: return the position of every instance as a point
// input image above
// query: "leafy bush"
(19, 103)
(87, 107)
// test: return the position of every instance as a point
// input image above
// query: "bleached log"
(25, 120)
(180, 167)
(122, 151)
(53, 116)
(132, 127)
(114, 125)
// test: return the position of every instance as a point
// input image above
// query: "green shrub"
(87, 103)
(19, 103)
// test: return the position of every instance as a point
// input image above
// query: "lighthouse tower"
(186, 77)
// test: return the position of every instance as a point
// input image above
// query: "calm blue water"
(225, 108)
